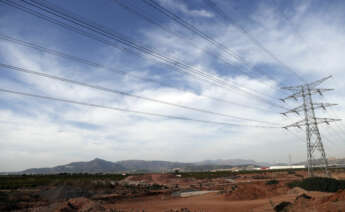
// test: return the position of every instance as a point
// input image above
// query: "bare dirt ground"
(246, 194)
(208, 202)
(252, 192)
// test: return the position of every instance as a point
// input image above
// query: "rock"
(297, 191)
(303, 196)
(282, 207)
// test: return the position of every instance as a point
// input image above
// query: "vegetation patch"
(319, 184)
(272, 182)
(291, 172)
(32, 181)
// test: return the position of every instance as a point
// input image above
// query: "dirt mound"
(304, 203)
(137, 180)
(145, 177)
(80, 205)
(338, 196)
(253, 191)
(247, 193)
(163, 178)
(63, 192)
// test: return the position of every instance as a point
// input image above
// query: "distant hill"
(102, 166)
(139, 166)
(94, 166)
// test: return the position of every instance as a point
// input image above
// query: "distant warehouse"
(288, 167)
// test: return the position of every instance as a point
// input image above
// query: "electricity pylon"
(310, 121)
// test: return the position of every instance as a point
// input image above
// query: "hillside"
(137, 166)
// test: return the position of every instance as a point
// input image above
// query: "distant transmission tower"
(313, 137)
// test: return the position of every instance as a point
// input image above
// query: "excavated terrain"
(259, 191)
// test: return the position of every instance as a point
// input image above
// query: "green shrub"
(319, 184)
(272, 182)
(31, 181)
(156, 187)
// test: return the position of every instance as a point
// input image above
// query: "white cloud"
(181, 7)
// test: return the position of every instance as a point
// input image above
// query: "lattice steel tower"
(310, 121)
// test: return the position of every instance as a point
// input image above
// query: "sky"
(269, 44)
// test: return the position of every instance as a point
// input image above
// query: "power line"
(135, 11)
(330, 134)
(197, 31)
(252, 38)
(302, 139)
(117, 71)
(243, 63)
(191, 27)
(181, 66)
(101, 30)
(130, 111)
(40, 74)
(299, 138)
(340, 126)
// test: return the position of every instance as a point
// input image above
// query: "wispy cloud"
(183, 8)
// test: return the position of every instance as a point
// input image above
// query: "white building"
(288, 167)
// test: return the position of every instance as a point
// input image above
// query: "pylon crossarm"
(318, 82)
(325, 120)
(313, 91)
(323, 105)
(310, 85)
(292, 88)
(294, 110)
(303, 123)
(299, 109)
(320, 91)
(297, 124)
(293, 96)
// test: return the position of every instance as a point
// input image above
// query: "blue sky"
(308, 36)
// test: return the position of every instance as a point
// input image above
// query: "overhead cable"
(40, 74)
(130, 111)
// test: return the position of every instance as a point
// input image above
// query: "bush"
(272, 182)
(319, 184)
(156, 187)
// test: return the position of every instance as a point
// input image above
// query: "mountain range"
(139, 166)
(98, 165)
